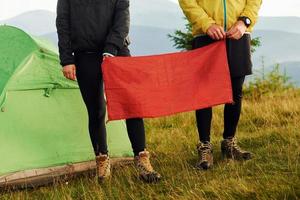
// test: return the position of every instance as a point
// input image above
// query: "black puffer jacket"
(91, 25)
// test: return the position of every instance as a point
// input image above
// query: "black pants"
(89, 77)
(231, 114)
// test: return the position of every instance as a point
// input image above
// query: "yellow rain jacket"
(203, 13)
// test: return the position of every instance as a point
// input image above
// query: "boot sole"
(226, 156)
(148, 179)
(204, 167)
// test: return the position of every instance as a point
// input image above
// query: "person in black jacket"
(89, 31)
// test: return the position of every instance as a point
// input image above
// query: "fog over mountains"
(152, 20)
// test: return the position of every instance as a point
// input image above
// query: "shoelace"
(205, 153)
(103, 166)
(205, 150)
(233, 144)
(145, 162)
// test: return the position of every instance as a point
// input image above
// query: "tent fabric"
(160, 85)
(30, 62)
(39, 132)
(43, 122)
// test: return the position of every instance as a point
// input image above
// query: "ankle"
(141, 153)
(228, 138)
(138, 152)
(102, 153)
(204, 141)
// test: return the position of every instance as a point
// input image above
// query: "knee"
(101, 112)
(237, 89)
(97, 114)
(237, 97)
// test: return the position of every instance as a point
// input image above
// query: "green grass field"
(269, 127)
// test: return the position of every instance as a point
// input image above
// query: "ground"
(269, 127)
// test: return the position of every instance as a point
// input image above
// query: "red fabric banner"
(160, 85)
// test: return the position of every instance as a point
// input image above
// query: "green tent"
(43, 120)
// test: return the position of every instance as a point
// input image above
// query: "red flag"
(160, 85)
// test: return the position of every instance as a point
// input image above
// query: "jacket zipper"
(225, 15)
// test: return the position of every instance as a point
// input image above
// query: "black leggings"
(89, 77)
(231, 114)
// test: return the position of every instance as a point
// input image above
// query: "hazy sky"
(10, 8)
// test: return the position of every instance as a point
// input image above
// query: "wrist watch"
(246, 20)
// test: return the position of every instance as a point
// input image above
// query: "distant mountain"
(286, 24)
(153, 13)
(152, 20)
(52, 37)
(292, 70)
(144, 40)
(157, 13)
(277, 47)
(150, 40)
(36, 22)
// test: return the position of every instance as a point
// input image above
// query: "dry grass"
(270, 128)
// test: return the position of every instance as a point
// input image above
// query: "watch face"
(248, 21)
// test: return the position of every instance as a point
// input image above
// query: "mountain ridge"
(280, 36)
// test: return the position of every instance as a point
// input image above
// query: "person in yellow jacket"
(230, 20)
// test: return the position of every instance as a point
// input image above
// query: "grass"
(269, 127)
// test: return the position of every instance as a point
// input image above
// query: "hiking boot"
(103, 167)
(146, 171)
(231, 150)
(205, 156)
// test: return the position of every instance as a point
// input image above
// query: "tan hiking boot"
(205, 156)
(231, 150)
(103, 167)
(145, 168)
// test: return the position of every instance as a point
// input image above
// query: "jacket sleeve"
(251, 10)
(64, 33)
(196, 15)
(120, 28)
